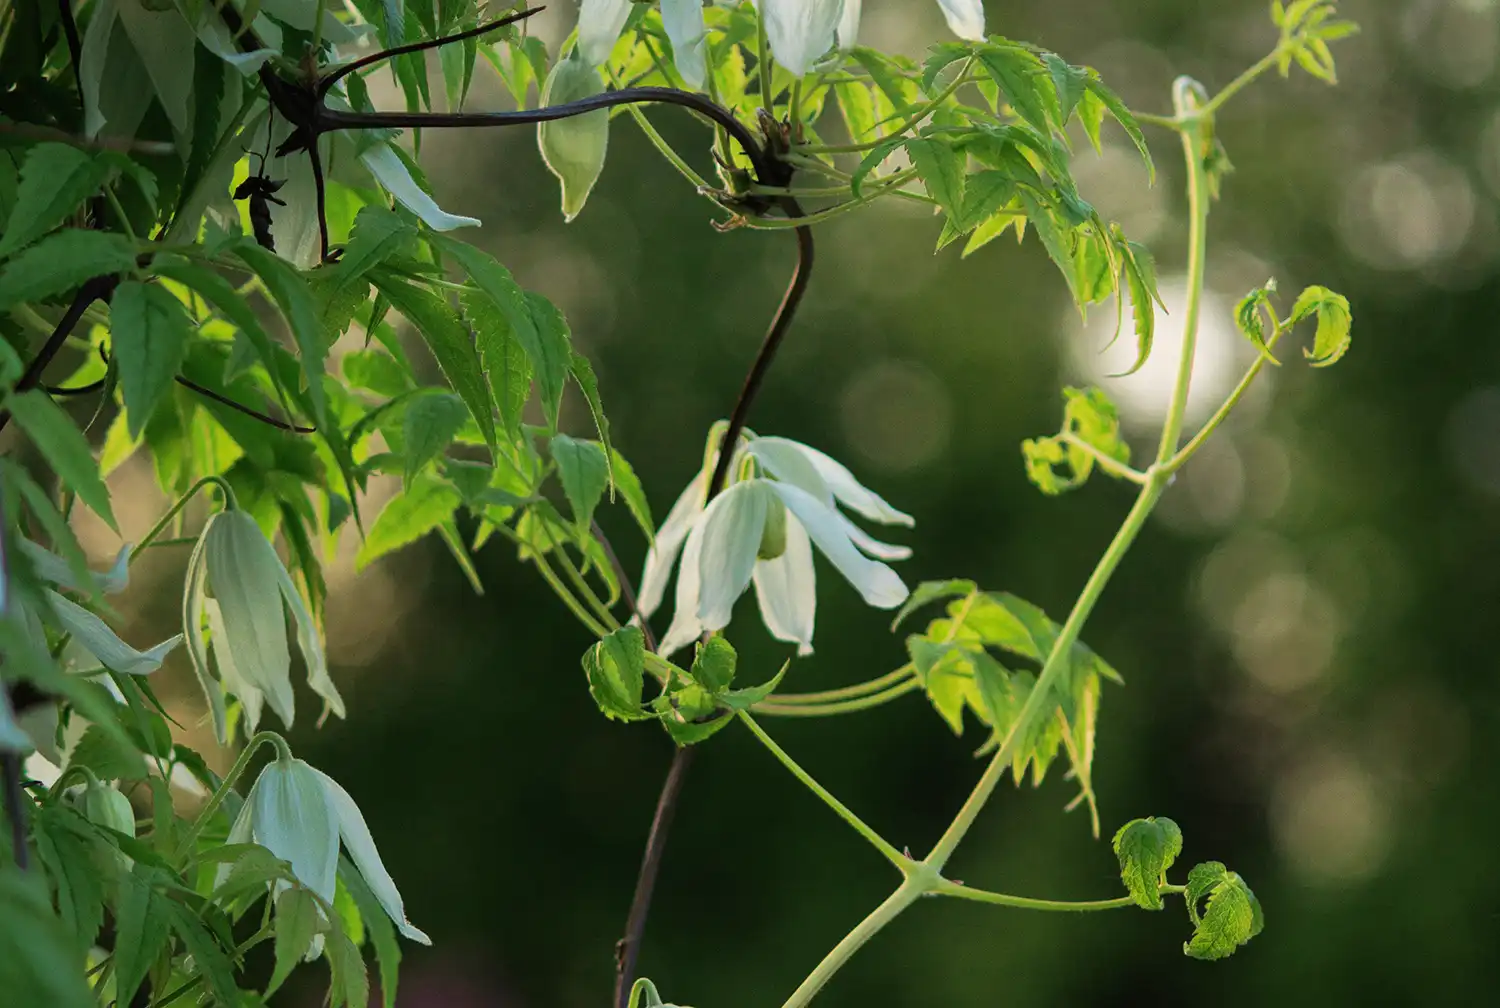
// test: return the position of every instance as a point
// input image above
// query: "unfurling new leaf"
(615, 668)
(1232, 917)
(1146, 849)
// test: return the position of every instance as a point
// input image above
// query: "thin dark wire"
(93, 290)
(333, 78)
(255, 414)
(15, 803)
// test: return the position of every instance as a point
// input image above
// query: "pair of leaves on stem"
(1090, 429)
(1146, 848)
(954, 660)
(1331, 339)
(692, 705)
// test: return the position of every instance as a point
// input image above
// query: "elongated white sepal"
(243, 576)
(786, 590)
(685, 626)
(683, 20)
(871, 546)
(194, 604)
(848, 33)
(733, 527)
(880, 586)
(95, 637)
(51, 567)
(361, 847)
(800, 31)
(790, 462)
(965, 18)
(291, 816)
(251, 699)
(599, 25)
(851, 493)
(392, 174)
(669, 539)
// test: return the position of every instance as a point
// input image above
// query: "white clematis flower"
(599, 25)
(965, 18)
(246, 617)
(800, 31)
(300, 814)
(761, 530)
(848, 31)
(683, 20)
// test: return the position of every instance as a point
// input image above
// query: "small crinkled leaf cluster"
(1255, 316)
(1090, 431)
(1146, 848)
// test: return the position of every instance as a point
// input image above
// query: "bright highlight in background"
(1222, 356)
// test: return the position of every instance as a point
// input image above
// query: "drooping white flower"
(800, 31)
(599, 25)
(246, 616)
(300, 814)
(848, 32)
(965, 18)
(683, 20)
(761, 530)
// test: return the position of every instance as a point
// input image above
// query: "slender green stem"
(657, 140)
(585, 590)
(763, 65)
(172, 512)
(909, 892)
(228, 783)
(1237, 85)
(845, 692)
(808, 710)
(119, 209)
(891, 853)
(1111, 465)
(1198, 203)
(1222, 413)
(568, 598)
(870, 195)
(1165, 122)
(947, 888)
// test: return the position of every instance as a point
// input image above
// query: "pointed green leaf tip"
(574, 148)
(1146, 849)
(1232, 917)
(616, 671)
(1334, 324)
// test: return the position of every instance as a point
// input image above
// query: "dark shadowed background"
(1306, 628)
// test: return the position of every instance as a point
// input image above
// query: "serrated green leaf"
(407, 517)
(1123, 116)
(101, 752)
(1021, 77)
(55, 179)
(1146, 848)
(553, 354)
(929, 592)
(289, 289)
(378, 233)
(1233, 915)
(873, 160)
(583, 468)
(1139, 268)
(142, 923)
(428, 426)
(297, 919)
(450, 343)
(588, 384)
(68, 851)
(39, 963)
(62, 444)
(1335, 321)
(634, 495)
(941, 171)
(382, 932)
(149, 333)
(220, 293)
(615, 668)
(713, 664)
(1070, 82)
(209, 958)
(1251, 322)
(62, 262)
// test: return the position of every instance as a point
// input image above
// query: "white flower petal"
(848, 33)
(51, 567)
(872, 546)
(850, 492)
(310, 643)
(292, 817)
(788, 461)
(800, 31)
(193, 604)
(250, 697)
(880, 586)
(965, 18)
(786, 589)
(361, 847)
(669, 540)
(599, 25)
(683, 20)
(242, 573)
(393, 176)
(95, 637)
(732, 529)
(685, 627)
(217, 40)
(240, 832)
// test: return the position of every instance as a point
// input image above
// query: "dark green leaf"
(553, 354)
(505, 361)
(382, 933)
(377, 234)
(63, 262)
(1070, 82)
(68, 851)
(450, 343)
(1146, 848)
(55, 180)
(930, 591)
(351, 982)
(290, 290)
(297, 920)
(616, 673)
(209, 958)
(149, 333)
(39, 962)
(99, 750)
(1123, 116)
(942, 172)
(871, 161)
(1021, 77)
(142, 920)
(63, 446)
(220, 293)
(407, 517)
